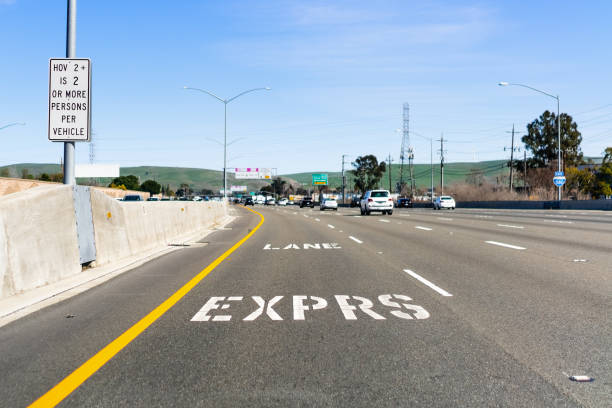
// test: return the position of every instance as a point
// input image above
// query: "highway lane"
(512, 324)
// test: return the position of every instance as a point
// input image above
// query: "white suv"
(376, 200)
(444, 202)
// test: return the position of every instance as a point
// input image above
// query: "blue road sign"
(559, 180)
(559, 174)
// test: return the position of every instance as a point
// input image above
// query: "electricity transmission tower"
(406, 154)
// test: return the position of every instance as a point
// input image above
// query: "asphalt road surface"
(421, 308)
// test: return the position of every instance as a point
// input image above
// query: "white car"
(282, 201)
(329, 204)
(270, 201)
(444, 202)
(376, 200)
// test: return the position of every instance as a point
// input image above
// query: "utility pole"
(389, 163)
(441, 152)
(512, 150)
(343, 180)
(525, 171)
(431, 159)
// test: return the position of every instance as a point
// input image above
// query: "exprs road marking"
(60, 391)
(215, 308)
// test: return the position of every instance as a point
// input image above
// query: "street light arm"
(206, 92)
(245, 92)
(534, 89)
(12, 124)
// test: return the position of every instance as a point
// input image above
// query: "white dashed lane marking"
(428, 283)
(355, 239)
(510, 226)
(331, 226)
(445, 219)
(505, 245)
(423, 228)
(384, 220)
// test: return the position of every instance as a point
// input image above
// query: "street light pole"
(225, 102)
(558, 124)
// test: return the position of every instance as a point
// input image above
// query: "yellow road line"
(56, 394)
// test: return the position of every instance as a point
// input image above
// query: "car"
(153, 199)
(132, 197)
(236, 200)
(198, 198)
(307, 202)
(270, 200)
(376, 200)
(444, 202)
(282, 201)
(404, 202)
(329, 203)
(355, 201)
(249, 201)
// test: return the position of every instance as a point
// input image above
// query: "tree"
(130, 182)
(5, 172)
(541, 140)
(578, 181)
(368, 172)
(44, 177)
(602, 185)
(278, 185)
(151, 186)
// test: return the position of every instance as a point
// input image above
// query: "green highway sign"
(319, 179)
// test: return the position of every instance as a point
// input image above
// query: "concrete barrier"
(38, 235)
(38, 241)
(14, 185)
(539, 205)
(124, 229)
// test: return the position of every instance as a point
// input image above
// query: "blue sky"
(339, 72)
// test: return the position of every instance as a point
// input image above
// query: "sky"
(339, 72)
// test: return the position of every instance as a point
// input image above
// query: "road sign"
(69, 99)
(559, 180)
(319, 179)
(238, 189)
(252, 173)
(559, 174)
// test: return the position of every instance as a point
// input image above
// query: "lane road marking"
(423, 228)
(331, 226)
(505, 245)
(65, 387)
(428, 283)
(510, 226)
(355, 239)
(384, 220)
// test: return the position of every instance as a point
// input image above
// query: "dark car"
(404, 202)
(236, 200)
(355, 201)
(132, 197)
(249, 201)
(307, 202)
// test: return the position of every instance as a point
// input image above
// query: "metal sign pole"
(70, 53)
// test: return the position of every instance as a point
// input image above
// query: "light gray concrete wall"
(124, 229)
(38, 241)
(539, 205)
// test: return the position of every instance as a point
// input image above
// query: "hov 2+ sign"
(69, 99)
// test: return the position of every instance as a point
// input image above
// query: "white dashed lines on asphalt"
(316, 219)
(404, 215)
(355, 239)
(510, 226)
(428, 283)
(331, 226)
(423, 228)
(444, 219)
(560, 222)
(384, 220)
(501, 244)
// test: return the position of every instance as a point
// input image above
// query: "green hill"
(212, 179)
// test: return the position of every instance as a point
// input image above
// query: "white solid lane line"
(355, 239)
(510, 226)
(504, 245)
(428, 283)
(423, 228)
(331, 226)
(384, 220)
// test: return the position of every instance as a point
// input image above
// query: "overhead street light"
(558, 124)
(225, 102)
(12, 124)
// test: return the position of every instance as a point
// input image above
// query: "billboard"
(238, 189)
(253, 173)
